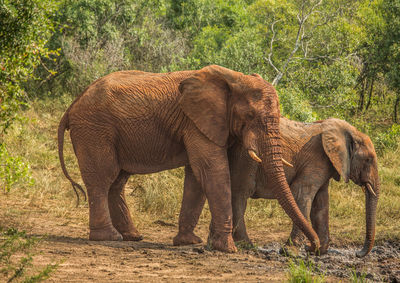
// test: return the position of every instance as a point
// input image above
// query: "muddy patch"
(381, 264)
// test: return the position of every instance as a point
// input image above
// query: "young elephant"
(318, 151)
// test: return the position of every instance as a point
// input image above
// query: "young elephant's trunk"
(271, 155)
(371, 201)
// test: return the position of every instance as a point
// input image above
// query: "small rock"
(199, 250)
(163, 223)
(369, 276)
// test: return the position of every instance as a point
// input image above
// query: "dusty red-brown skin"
(134, 122)
(319, 151)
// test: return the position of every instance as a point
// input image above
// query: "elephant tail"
(61, 129)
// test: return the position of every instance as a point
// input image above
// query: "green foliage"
(303, 272)
(13, 170)
(16, 257)
(388, 140)
(294, 106)
(97, 37)
(24, 30)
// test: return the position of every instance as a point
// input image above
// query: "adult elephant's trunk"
(371, 200)
(271, 155)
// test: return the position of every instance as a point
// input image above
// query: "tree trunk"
(370, 94)
(362, 93)
(396, 108)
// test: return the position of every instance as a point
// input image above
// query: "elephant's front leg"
(209, 163)
(320, 216)
(219, 199)
(192, 204)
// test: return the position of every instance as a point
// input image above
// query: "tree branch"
(271, 46)
(302, 17)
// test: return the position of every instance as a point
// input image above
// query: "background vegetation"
(326, 58)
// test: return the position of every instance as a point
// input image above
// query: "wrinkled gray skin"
(318, 151)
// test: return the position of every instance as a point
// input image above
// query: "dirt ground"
(156, 259)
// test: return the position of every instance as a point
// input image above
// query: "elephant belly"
(149, 149)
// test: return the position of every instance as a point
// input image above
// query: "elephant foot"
(314, 249)
(132, 236)
(243, 242)
(244, 239)
(105, 234)
(183, 239)
(323, 249)
(222, 242)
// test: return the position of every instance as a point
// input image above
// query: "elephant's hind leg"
(119, 211)
(303, 194)
(239, 203)
(192, 205)
(99, 168)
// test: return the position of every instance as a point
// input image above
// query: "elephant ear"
(204, 101)
(338, 144)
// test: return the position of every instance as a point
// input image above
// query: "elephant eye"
(250, 116)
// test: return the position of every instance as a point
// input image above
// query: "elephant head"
(353, 156)
(223, 104)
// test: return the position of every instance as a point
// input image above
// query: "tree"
(25, 27)
(302, 17)
(380, 51)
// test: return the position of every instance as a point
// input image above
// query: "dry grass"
(158, 196)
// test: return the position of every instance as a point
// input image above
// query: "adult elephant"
(319, 151)
(134, 122)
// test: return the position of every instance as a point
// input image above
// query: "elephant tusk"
(286, 163)
(370, 189)
(254, 156)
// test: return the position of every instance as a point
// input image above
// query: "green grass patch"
(358, 277)
(301, 271)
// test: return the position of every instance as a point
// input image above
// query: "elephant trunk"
(271, 155)
(371, 202)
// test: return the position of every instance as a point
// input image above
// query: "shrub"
(388, 140)
(294, 106)
(13, 170)
(16, 257)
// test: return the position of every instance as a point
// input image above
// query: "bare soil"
(156, 259)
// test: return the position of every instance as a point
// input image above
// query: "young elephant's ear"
(338, 145)
(204, 101)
